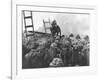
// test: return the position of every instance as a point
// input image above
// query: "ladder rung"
(31, 31)
(29, 26)
(27, 17)
(29, 34)
(47, 22)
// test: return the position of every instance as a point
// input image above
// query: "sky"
(69, 23)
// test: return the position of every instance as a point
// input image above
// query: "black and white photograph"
(50, 40)
(55, 39)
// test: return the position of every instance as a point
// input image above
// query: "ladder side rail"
(32, 24)
(44, 26)
(24, 21)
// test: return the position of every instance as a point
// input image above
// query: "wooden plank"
(27, 17)
(29, 26)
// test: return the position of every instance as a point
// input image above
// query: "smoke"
(73, 23)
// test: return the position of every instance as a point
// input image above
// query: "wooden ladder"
(31, 32)
(45, 22)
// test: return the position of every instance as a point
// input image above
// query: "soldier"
(77, 50)
(67, 52)
(55, 29)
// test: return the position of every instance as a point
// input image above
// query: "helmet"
(54, 22)
(53, 45)
(58, 37)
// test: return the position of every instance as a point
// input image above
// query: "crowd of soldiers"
(59, 51)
